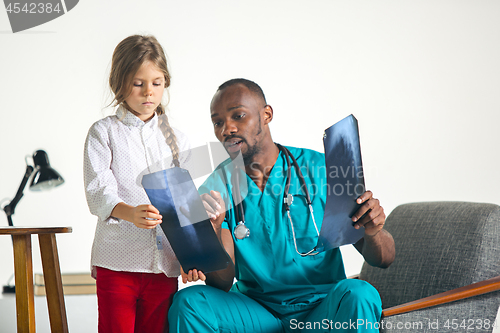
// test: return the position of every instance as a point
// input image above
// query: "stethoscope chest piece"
(241, 231)
(288, 199)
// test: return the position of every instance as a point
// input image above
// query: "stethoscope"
(241, 231)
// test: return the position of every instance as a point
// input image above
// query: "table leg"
(53, 283)
(25, 299)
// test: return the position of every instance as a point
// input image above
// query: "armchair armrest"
(470, 290)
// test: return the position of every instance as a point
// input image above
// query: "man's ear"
(268, 114)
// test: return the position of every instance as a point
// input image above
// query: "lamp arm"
(10, 208)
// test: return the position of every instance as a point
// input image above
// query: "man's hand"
(377, 246)
(370, 215)
(192, 276)
(214, 205)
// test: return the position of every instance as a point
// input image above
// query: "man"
(278, 289)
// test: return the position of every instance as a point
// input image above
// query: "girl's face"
(147, 91)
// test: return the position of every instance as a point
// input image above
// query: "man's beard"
(252, 149)
(250, 153)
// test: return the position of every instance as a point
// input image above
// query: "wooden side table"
(23, 268)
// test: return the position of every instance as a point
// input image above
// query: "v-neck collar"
(274, 186)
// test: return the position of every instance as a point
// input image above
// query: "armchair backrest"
(439, 246)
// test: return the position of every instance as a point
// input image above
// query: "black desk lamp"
(44, 178)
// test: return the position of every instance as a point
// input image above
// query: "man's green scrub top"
(268, 268)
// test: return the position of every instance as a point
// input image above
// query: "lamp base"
(9, 290)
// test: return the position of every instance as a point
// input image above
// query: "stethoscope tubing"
(241, 231)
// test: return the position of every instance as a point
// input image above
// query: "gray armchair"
(444, 253)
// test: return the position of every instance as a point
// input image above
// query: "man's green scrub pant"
(350, 306)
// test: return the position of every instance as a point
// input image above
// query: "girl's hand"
(145, 216)
(142, 216)
(192, 276)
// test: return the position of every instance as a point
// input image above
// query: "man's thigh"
(350, 306)
(207, 309)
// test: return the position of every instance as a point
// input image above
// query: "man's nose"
(229, 129)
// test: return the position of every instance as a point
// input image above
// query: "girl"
(135, 268)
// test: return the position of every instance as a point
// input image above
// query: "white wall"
(422, 77)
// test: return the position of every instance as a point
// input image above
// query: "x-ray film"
(185, 221)
(345, 183)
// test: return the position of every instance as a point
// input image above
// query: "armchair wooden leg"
(53, 283)
(23, 268)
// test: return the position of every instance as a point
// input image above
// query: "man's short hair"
(252, 86)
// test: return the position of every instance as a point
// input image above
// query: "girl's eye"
(137, 84)
(157, 84)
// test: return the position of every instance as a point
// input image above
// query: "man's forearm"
(378, 250)
(223, 279)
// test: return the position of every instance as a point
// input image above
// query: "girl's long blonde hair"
(128, 57)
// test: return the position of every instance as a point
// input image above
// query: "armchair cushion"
(439, 246)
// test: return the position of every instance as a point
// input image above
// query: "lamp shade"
(45, 177)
